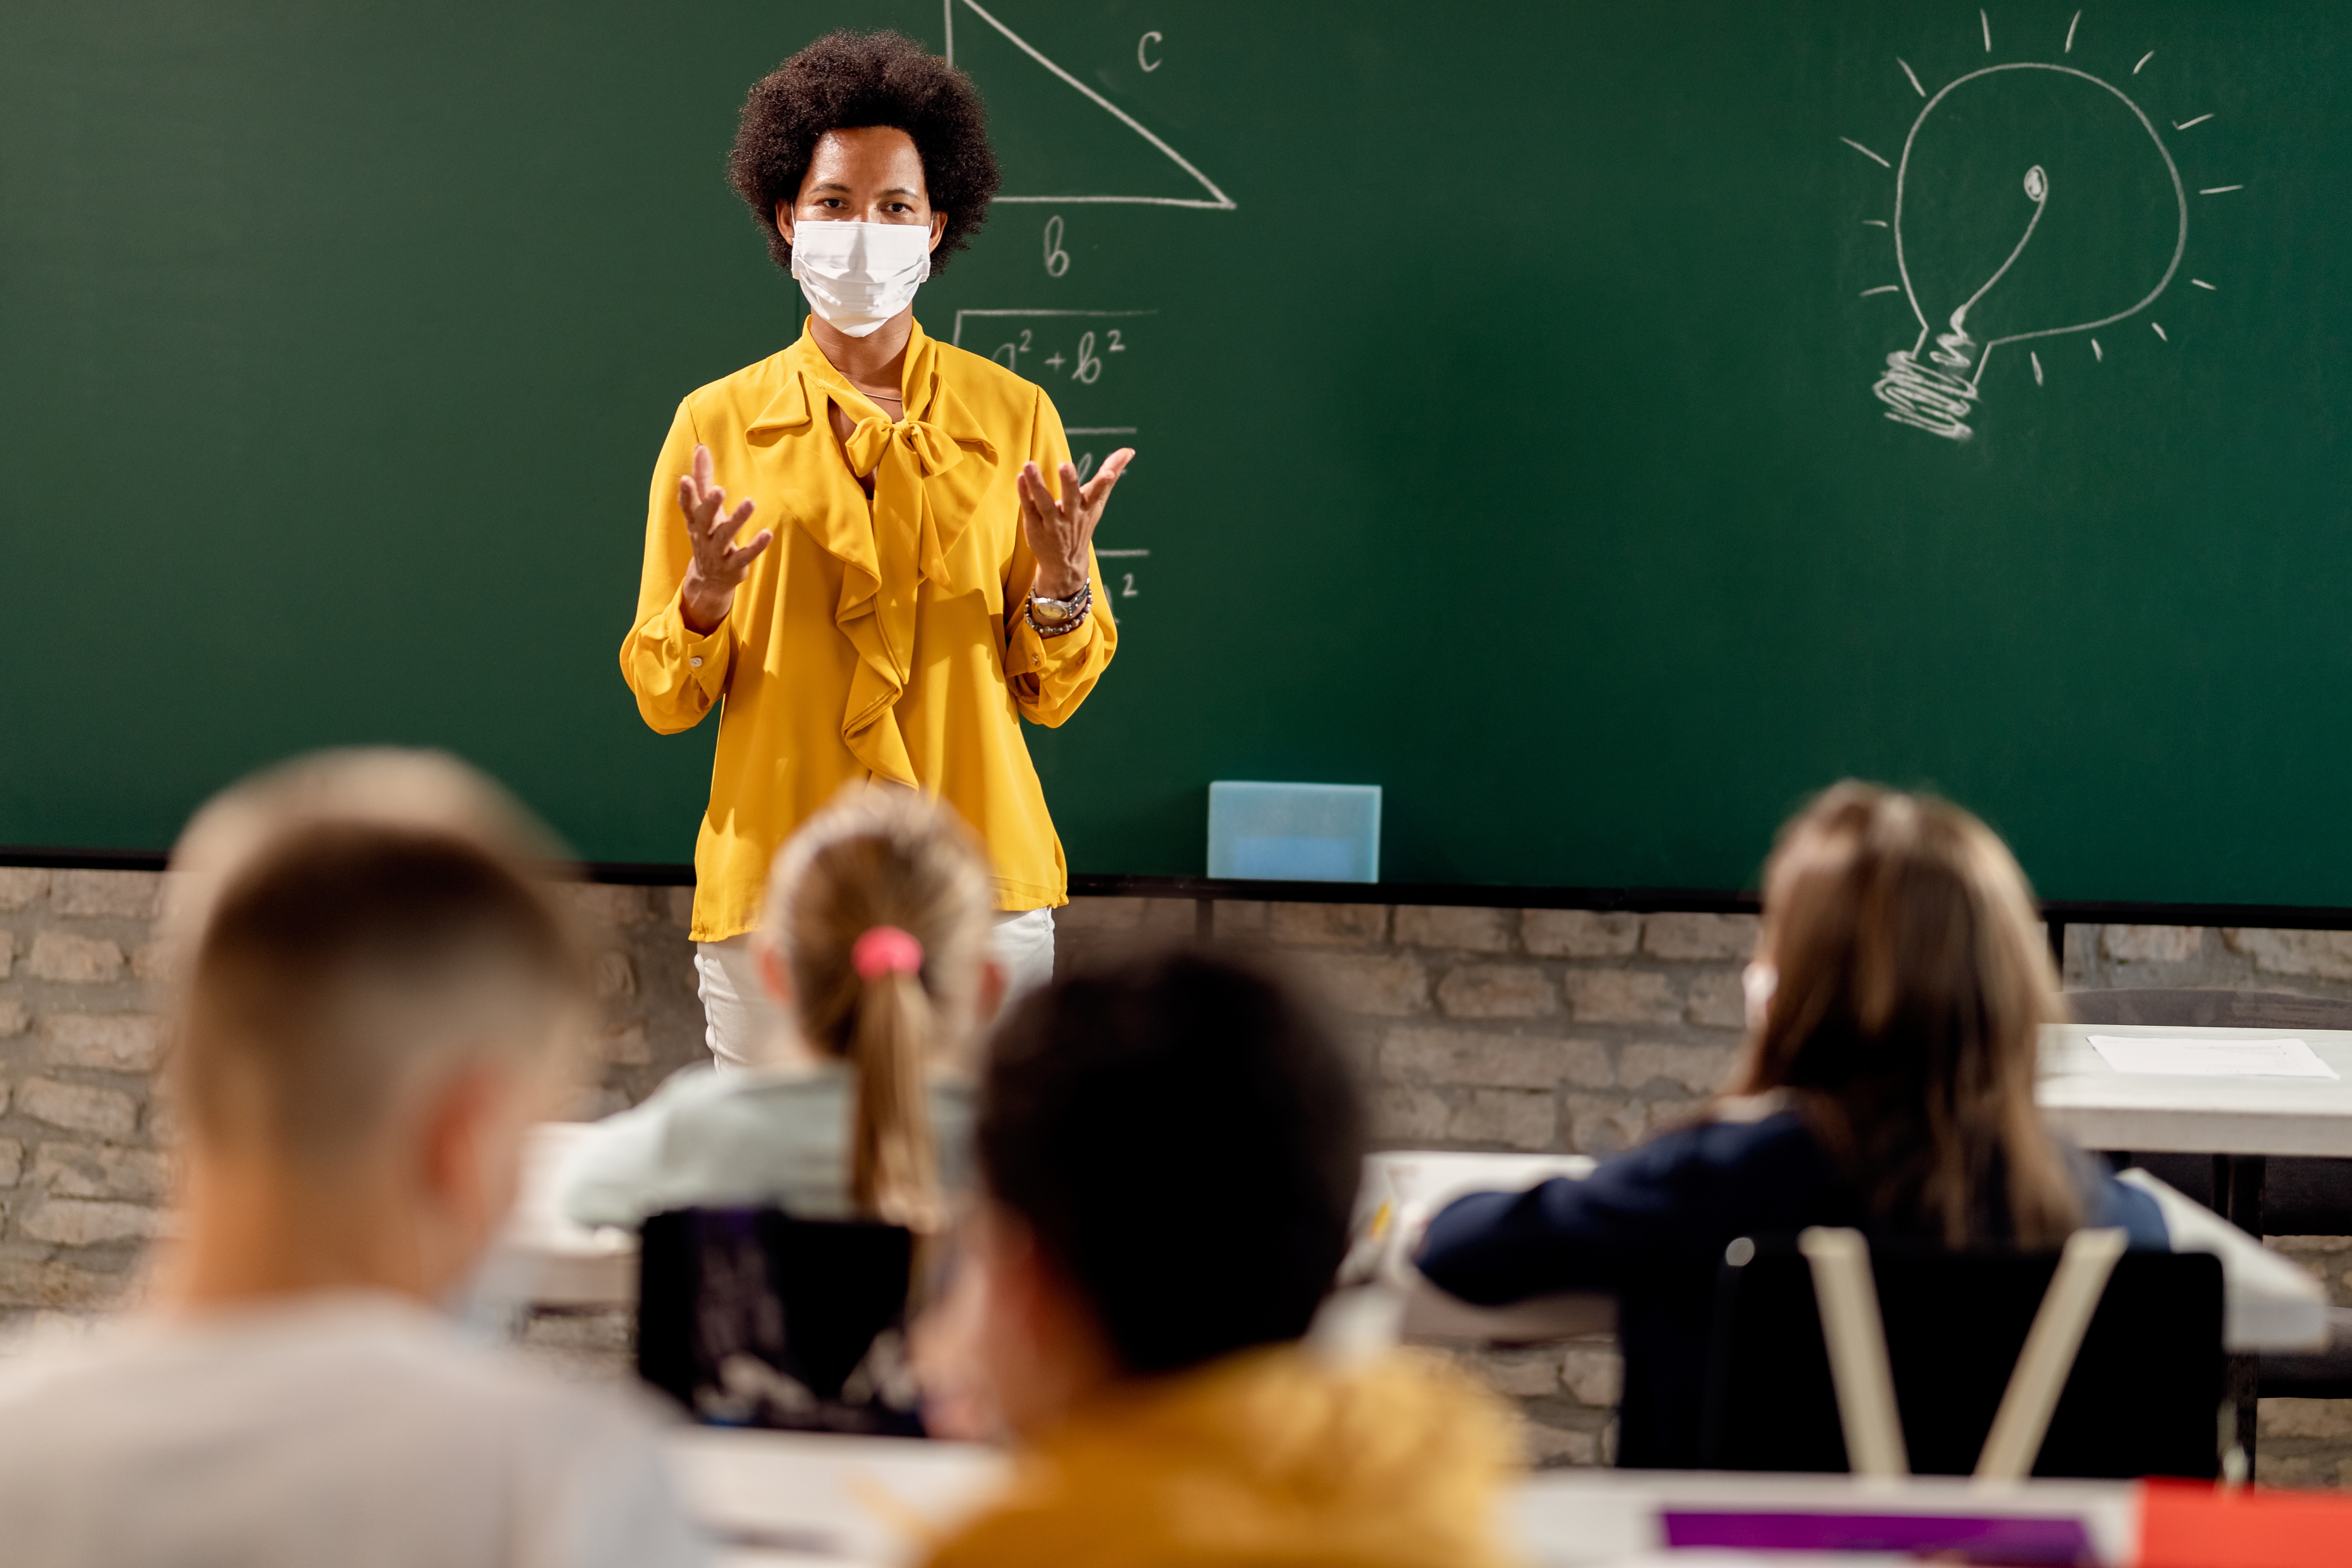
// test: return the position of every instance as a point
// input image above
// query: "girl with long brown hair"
(877, 949)
(1895, 1010)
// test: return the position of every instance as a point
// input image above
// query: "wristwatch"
(1047, 609)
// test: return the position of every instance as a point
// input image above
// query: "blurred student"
(1895, 1007)
(1168, 1152)
(377, 1006)
(396, 786)
(877, 949)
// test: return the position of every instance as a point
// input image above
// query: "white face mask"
(859, 274)
(1757, 982)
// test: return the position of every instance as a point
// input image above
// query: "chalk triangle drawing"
(1216, 200)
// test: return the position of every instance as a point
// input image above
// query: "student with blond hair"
(1895, 1010)
(379, 999)
(877, 949)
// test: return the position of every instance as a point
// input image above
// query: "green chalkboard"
(1512, 383)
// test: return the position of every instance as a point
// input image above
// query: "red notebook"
(2186, 1524)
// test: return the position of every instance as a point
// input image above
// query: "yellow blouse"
(870, 640)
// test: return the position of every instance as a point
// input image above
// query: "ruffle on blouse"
(912, 532)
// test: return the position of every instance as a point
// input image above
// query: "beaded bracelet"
(1060, 628)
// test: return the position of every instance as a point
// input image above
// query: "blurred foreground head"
(430, 791)
(375, 1004)
(1170, 1147)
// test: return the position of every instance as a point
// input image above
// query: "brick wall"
(1475, 1028)
(1481, 1029)
(83, 1132)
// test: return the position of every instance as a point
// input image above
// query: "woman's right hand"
(719, 564)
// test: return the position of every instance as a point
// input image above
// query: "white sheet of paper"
(2211, 1059)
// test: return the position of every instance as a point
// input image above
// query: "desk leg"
(2238, 1183)
(2244, 1375)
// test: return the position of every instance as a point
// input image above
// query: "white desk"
(793, 1498)
(552, 1262)
(814, 1501)
(1403, 1188)
(546, 1260)
(2270, 1304)
(543, 1259)
(2100, 1108)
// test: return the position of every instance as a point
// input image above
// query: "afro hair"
(846, 80)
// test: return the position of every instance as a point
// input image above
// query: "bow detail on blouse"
(933, 449)
(890, 547)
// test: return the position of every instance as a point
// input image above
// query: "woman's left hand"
(1060, 530)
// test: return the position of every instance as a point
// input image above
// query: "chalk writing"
(1940, 394)
(1215, 200)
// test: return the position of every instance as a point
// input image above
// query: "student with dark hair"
(923, 583)
(1170, 1151)
(1894, 1009)
(380, 997)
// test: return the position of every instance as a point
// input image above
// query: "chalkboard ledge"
(1480, 895)
(1462, 895)
(1676, 901)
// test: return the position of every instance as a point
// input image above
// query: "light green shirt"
(771, 1135)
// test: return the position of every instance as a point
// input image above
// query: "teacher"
(924, 578)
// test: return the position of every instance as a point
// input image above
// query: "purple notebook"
(2027, 1540)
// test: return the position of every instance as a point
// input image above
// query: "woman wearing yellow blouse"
(923, 585)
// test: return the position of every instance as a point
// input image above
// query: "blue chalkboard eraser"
(1294, 832)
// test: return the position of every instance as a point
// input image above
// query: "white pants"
(740, 1017)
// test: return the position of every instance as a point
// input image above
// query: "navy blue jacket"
(1651, 1227)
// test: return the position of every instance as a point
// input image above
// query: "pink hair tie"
(885, 950)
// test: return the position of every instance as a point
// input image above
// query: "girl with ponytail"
(876, 949)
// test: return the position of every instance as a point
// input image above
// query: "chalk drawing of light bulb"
(2031, 201)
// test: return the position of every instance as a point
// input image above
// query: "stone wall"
(1475, 1028)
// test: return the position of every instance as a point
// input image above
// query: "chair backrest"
(2142, 1398)
(2209, 1009)
(751, 1318)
